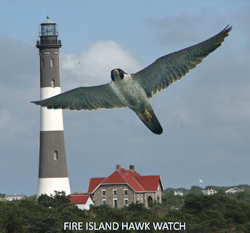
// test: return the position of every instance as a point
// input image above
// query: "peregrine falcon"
(134, 90)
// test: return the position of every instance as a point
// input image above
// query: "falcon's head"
(117, 74)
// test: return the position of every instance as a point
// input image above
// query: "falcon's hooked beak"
(117, 74)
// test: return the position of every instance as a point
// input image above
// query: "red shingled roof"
(115, 177)
(132, 178)
(94, 182)
(79, 198)
(131, 173)
(148, 183)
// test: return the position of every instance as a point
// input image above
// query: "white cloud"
(17, 64)
(96, 64)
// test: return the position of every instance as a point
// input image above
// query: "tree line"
(200, 213)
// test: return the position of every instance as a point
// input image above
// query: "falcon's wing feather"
(84, 98)
(170, 68)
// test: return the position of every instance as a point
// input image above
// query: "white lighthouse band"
(51, 119)
(50, 185)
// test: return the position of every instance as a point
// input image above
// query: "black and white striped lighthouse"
(53, 173)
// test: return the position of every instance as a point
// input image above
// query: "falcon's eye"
(121, 75)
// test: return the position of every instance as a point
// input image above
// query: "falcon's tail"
(150, 120)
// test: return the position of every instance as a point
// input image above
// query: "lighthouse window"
(52, 62)
(42, 63)
(53, 83)
(55, 155)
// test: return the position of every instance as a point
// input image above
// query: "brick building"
(123, 187)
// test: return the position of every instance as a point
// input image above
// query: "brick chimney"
(118, 167)
(132, 168)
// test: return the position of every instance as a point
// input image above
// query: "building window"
(103, 201)
(42, 63)
(52, 62)
(104, 192)
(55, 155)
(126, 202)
(115, 202)
(114, 192)
(125, 192)
(52, 83)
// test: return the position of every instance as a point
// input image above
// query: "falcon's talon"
(148, 115)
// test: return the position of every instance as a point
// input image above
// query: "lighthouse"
(53, 173)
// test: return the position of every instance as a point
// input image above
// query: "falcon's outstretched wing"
(170, 68)
(84, 98)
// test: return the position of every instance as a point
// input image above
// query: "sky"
(205, 116)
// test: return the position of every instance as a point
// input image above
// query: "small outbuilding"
(14, 197)
(82, 200)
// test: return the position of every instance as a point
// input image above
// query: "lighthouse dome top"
(48, 21)
(48, 28)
